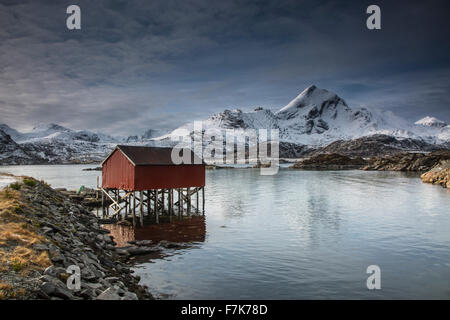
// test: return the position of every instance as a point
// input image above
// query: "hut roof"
(142, 156)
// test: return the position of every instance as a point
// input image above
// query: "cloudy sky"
(157, 64)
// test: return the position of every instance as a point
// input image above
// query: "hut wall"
(118, 172)
(170, 176)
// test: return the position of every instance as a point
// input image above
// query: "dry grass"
(8, 291)
(17, 237)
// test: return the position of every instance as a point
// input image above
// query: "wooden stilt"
(182, 202)
(141, 204)
(129, 205)
(126, 206)
(103, 205)
(203, 200)
(197, 210)
(188, 202)
(162, 199)
(156, 206)
(148, 202)
(107, 207)
(170, 204)
(134, 209)
(171, 201)
(179, 203)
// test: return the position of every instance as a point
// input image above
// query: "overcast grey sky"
(142, 64)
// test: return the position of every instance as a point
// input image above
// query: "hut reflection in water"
(180, 231)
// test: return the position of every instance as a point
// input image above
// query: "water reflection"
(180, 231)
(297, 235)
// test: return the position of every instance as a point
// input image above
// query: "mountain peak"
(313, 97)
(50, 126)
(431, 122)
(310, 89)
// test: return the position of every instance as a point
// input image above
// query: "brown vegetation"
(439, 175)
(18, 235)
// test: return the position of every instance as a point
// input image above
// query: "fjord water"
(302, 234)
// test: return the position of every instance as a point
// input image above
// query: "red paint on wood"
(120, 173)
(169, 177)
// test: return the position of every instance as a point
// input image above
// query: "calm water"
(302, 234)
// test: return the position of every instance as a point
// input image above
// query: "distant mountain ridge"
(52, 143)
(317, 117)
(317, 120)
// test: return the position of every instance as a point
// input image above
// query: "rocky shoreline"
(332, 161)
(435, 166)
(439, 175)
(418, 162)
(44, 233)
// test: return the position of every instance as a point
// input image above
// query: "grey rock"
(143, 242)
(109, 294)
(169, 245)
(129, 296)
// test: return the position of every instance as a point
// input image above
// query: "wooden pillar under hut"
(156, 206)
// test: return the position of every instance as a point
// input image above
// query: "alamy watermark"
(73, 21)
(74, 280)
(374, 280)
(228, 146)
(373, 22)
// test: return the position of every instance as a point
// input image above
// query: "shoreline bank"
(43, 234)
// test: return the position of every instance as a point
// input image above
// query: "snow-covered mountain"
(54, 144)
(317, 117)
(430, 122)
(312, 121)
(146, 137)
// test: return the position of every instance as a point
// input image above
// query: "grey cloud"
(156, 64)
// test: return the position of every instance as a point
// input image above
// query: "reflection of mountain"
(181, 231)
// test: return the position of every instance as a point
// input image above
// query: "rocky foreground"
(439, 175)
(43, 233)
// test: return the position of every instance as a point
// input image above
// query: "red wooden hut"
(135, 168)
(145, 175)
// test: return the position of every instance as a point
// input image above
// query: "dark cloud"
(157, 64)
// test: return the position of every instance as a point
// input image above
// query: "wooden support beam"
(107, 207)
(188, 202)
(203, 200)
(103, 206)
(156, 206)
(148, 202)
(126, 206)
(163, 191)
(171, 202)
(129, 204)
(196, 207)
(134, 209)
(141, 207)
(181, 202)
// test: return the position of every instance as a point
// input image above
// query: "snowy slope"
(430, 122)
(312, 120)
(317, 117)
(55, 144)
(50, 132)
